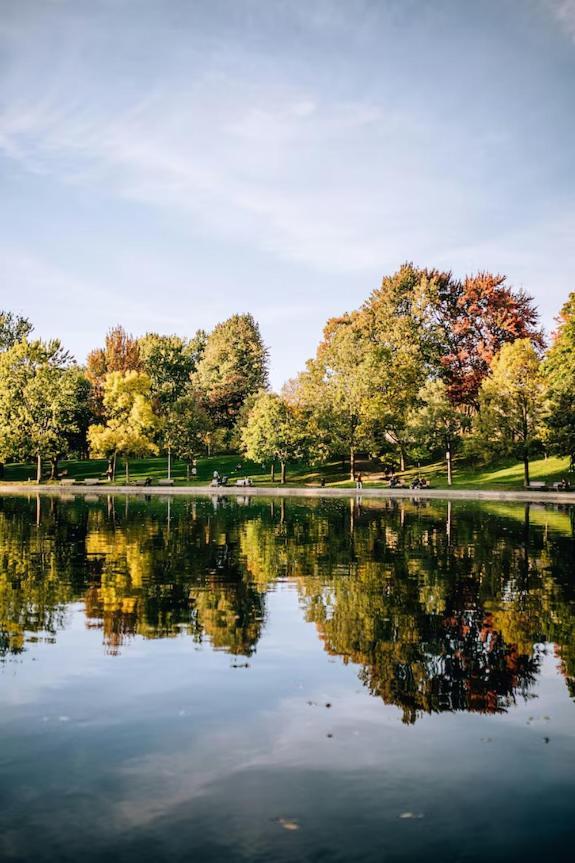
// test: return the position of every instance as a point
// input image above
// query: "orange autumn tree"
(121, 353)
(475, 317)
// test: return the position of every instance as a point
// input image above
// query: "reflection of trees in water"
(136, 574)
(468, 666)
(440, 607)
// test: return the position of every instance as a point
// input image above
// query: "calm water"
(236, 680)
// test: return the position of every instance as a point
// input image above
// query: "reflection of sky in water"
(171, 750)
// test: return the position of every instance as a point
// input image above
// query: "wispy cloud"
(279, 152)
(564, 12)
(270, 176)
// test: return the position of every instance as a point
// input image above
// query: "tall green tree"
(131, 424)
(13, 328)
(234, 365)
(42, 394)
(559, 370)
(402, 343)
(273, 432)
(512, 404)
(341, 389)
(170, 361)
(437, 422)
(185, 428)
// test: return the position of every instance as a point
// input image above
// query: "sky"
(167, 163)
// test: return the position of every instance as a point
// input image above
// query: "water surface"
(206, 679)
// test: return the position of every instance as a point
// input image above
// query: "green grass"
(155, 468)
(504, 475)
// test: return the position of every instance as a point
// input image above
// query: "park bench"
(67, 482)
(538, 486)
(244, 482)
(93, 481)
(144, 482)
(165, 482)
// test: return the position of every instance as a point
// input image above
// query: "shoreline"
(532, 496)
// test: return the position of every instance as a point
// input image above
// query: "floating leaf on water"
(287, 823)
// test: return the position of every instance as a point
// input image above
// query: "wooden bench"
(67, 482)
(93, 481)
(165, 482)
(538, 486)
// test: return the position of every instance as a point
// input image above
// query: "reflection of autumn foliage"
(439, 612)
(469, 667)
(231, 615)
(439, 623)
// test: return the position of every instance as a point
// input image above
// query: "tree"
(170, 362)
(559, 370)
(41, 397)
(233, 366)
(340, 388)
(121, 353)
(437, 422)
(130, 420)
(456, 325)
(512, 404)
(186, 427)
(393, 322)
(13, 328)
(272, 432)
(473, 318)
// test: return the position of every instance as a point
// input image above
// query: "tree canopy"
(42, 395)
(233, 366)
(512, 403)
(130, 420)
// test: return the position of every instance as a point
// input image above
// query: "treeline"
(133, 398)
(430, 364)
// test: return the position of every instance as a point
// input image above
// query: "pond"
(213, 679)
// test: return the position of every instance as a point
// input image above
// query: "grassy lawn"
(504, 475)
(155, 468)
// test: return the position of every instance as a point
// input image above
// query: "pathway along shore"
(527, 496)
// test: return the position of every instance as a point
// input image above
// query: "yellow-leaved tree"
(130, 419)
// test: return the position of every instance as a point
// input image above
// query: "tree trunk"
(273, 471)
(449, 467)
(127, 472)
(283, 472)
(401, 459)
(114, 458)
(54, 468)
(38, 468)
(169, 463)
(526, 469)
(351, 463)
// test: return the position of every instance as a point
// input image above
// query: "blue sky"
(164, 164)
